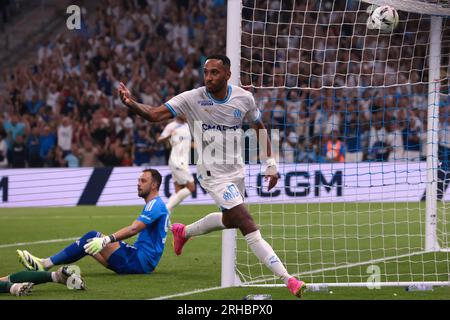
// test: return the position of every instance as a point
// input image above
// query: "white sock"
(212, 222)
(176, 198)
(55, 277)
(13, 288)
(266, 255)
(47, 262)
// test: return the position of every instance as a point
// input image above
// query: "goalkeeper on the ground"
(110, 251)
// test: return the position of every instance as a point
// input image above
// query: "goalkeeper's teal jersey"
(151, 241)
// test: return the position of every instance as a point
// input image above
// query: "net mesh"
(326, 44)
(351, 106)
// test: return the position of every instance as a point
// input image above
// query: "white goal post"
(398, 219)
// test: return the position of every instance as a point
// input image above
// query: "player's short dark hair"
(156, 176)
(225, 60)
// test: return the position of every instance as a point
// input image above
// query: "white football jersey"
(217, 124)
(180, 139)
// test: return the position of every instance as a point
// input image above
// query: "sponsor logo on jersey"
(237, 114)
(218, 127)
(204, 103)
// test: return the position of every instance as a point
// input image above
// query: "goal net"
(363, 146)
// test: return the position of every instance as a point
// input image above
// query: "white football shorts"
(227, 194)
(181, 175)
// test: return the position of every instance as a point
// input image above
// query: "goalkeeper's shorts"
(125, 260)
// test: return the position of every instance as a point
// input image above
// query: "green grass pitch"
(315, 237)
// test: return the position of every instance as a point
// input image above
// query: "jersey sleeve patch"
(172, 111)
(258, 116)
(144, 218)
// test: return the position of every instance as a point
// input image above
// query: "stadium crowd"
(7, 11)
(362, 94)
(64, 110)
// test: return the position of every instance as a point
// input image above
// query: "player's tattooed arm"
(152, 114)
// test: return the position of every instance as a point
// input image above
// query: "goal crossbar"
(423, 7)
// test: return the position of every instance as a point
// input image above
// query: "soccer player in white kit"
(177, 132)
(219, 107)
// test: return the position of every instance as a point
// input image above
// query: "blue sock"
(75, 251)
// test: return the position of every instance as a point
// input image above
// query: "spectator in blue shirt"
(307, 152)
(34, 148)
(71, 159)
(411, 140)
(34, 105)
(48, 142)
(13, 128)
(355, 124)
(141, 148)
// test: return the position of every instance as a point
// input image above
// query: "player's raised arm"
(162, 139)
(165, 134)
(152, 114)
(271, 172)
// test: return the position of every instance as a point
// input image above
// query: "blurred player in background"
(177, 132)
(110, 251)
(21, 283)
(219, 108)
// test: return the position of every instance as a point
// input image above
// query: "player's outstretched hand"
(125, 95)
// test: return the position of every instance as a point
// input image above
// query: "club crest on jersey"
(237, 114)
(205, 103)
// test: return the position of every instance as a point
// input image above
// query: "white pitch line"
(65, 217)
(186, 293)
(9, 245)
(300, 274)
(351, 265)
(358, 264)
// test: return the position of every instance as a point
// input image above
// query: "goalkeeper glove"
(95, 245)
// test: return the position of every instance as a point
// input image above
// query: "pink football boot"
(296, 287)
(179, 238)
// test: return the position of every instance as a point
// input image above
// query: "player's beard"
(218, 87)
(143, 194)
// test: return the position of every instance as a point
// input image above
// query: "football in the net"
(384, 18)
